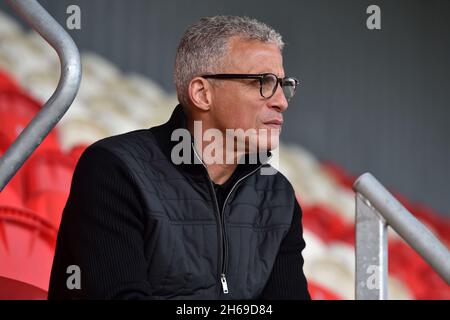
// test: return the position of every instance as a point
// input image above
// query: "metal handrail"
(376, 209)
(54, 109)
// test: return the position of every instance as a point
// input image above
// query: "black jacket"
(139, 226)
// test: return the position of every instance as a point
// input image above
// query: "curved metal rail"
(376, 209)
(53, 110)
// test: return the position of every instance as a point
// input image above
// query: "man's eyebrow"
(263, 72)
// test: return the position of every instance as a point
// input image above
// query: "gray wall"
(370, 100)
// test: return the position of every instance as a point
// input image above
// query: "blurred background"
(369, 100)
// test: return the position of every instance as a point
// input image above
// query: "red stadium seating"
(49, 204)
(27, 244)
(7, 83)
(76, 152)
(16, 110)
(48, 171)
(48, 175)
(338, 174)
(318, 292)
(9, 197)
(328, 225)
(11, 289)
(421, 279)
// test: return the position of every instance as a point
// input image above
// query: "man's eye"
(269, 80)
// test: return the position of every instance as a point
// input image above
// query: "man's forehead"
(254, 56)
(239, 45)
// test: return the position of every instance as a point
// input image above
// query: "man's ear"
(200, 93)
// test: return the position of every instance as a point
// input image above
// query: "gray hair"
(205, 44)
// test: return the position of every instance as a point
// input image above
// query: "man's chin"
(271, 142)
(265, 145)
(269, 147)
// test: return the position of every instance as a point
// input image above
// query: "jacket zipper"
(222, 239)
(223, 242)
(225, 262)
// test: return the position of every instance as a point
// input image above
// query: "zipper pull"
(224, 283)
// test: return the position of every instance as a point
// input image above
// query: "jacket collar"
(195, 168)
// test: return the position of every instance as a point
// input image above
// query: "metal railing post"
(376, 208)
(371, 252)
(59, 102)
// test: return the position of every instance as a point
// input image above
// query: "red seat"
(7, 83)
(16, 110)
(11, 125)
(421, 279)
(27, 245)
(326, 224)
(76, 151)
(11, 289)
(47, 179)
(10, 198)
(48, 204)
(48, 171)
(318, 292)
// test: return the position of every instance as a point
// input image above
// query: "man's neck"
(219, 173)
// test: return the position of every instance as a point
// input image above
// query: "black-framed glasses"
(268, 82)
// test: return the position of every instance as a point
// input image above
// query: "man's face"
(238, 104)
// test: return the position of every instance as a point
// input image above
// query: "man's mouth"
(275, 123)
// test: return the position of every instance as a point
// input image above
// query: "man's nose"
(279, 100)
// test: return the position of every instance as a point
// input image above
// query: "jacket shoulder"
(130, 146)
(275, 178)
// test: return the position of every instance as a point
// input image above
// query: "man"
(149, 219)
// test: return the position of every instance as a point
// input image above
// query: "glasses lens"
(289, 86)
(268, 85)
